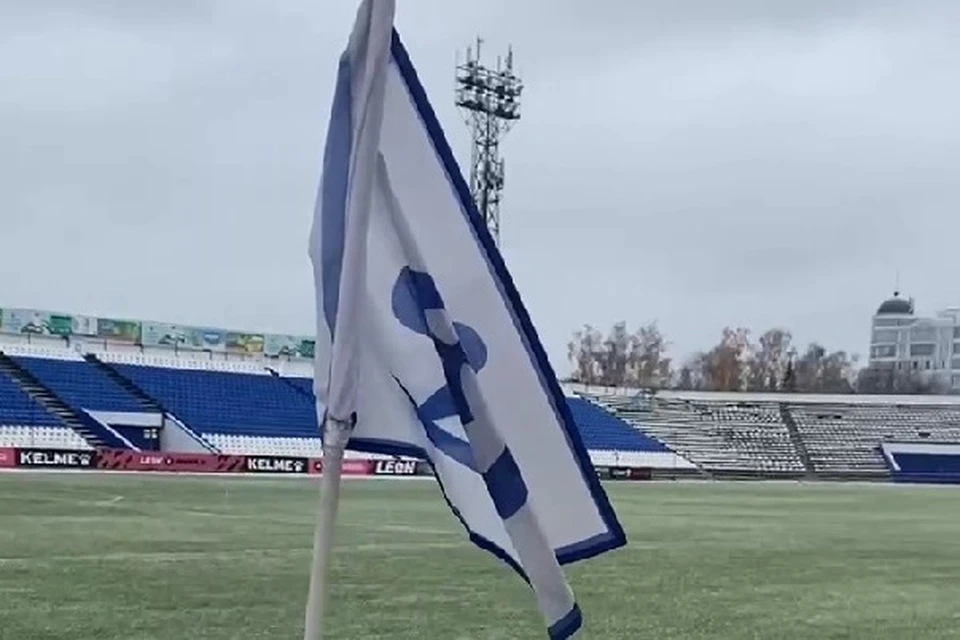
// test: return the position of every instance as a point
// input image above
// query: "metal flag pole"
(336, 434)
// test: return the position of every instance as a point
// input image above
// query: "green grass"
(125, 557)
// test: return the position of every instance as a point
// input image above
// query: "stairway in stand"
(797, 439)
(149, 402)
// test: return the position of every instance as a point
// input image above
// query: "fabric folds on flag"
(422, 336)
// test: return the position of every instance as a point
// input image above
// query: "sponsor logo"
(50, 458)
(395, 467)
(623, 473)
(352, 467)
(619, 473)
(356, 467)
(186, 461)
(276, 465)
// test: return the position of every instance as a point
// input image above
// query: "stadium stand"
(258, 412)
(81, 395)
(54, 394)
(845, 438)
(611, 441)
(789, 434)
(35, 419)
(18, 408)
(238, 406)
(923, 461)
(26, 423)
(227, 403)
(719, 436)
(81, 386)
(42, 438)
(302, 385)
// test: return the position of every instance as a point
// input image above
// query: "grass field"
(125, 557)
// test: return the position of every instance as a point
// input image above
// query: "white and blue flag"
(422, 336)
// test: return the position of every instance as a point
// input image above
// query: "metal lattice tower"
(490, 102)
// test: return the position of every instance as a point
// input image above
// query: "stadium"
(161, 481)
(706, 559)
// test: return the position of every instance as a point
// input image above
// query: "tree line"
(739, 361)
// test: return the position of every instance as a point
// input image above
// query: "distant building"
(922, 347)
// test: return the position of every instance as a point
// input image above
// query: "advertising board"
(55, 459)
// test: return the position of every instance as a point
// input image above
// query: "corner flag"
(423, 346)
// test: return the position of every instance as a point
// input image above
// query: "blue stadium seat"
(929, 464)
(18, 408)
(261, 405)
(80, 384)
(228, 403)
(304, 385)
(601, 430)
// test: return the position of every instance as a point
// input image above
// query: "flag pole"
(339, 263)
(336, 433)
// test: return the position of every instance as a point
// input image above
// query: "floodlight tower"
(490, 102)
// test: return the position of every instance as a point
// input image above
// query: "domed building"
(902, 341)
(896, 306)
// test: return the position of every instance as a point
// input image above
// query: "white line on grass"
(213, 554)
(401, 528)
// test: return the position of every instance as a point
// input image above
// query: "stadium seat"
(18, 408)
(268, 408)
(845, 439)
(228, 403)
(41, 437)
(80, 384)
(718, 436)
(602, 430)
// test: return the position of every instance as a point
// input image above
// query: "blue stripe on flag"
(334, 184)
(444, 441)
(615, 536)
(567, 625)
(506, 485)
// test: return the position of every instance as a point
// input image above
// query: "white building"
(902, 341)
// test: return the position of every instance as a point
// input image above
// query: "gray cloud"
(699, 163)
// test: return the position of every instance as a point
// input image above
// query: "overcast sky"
(697, 162)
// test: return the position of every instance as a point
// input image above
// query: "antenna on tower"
(490, 102)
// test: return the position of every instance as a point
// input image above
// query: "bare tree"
(690, 377)
(640, 358)
(768, 360)
(790, 375)
(685, 381)
(839, 372)
(724, 367)
(649, 363)
(820, 371)
(615, 362)
(584, 351)
(621, 358)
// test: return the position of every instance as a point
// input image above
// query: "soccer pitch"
(129, 557)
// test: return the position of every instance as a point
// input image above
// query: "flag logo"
(418, 306)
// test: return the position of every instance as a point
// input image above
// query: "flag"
(422, 339)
